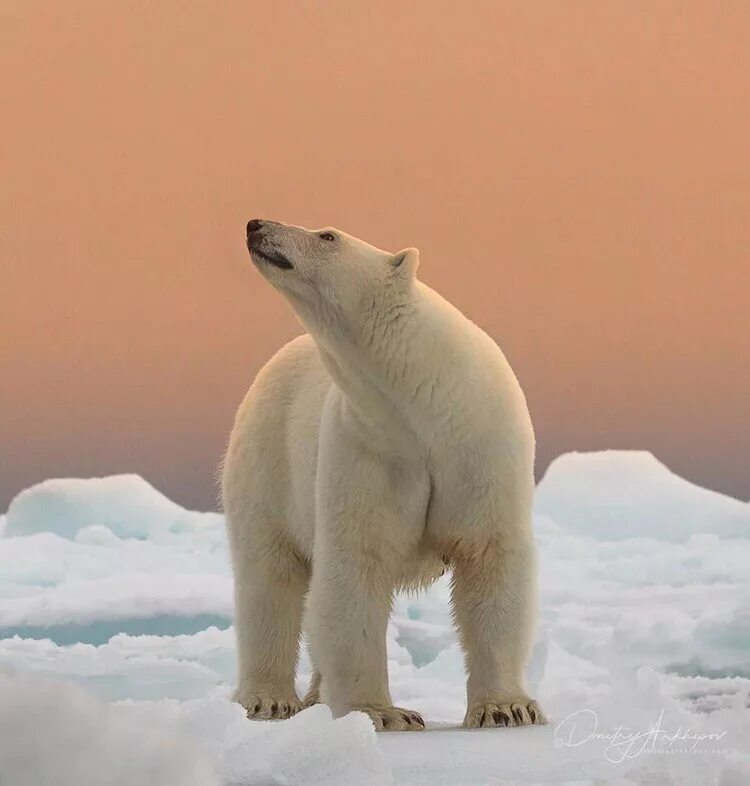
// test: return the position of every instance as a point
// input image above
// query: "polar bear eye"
(327, 236)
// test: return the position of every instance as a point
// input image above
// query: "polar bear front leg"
(493, 600)
(369, 516)
(349, 605)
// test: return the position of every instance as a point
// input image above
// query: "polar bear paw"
(393, 718)
(263, 706)
(504, 711)
(312, 698)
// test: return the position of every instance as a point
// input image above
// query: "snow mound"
(316, 749)
(618, 494)
(127, 505)
(56, 733)
(309, 749)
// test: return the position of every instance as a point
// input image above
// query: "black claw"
(517, 714)
(256, 708)
(496, 716)
(274, 707)
(532, 713)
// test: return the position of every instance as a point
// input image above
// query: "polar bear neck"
(398, 366)
(372, 360)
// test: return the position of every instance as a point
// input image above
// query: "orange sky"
(576, 176)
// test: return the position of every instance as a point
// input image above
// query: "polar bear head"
(330, 278)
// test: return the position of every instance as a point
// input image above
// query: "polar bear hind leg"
(271, 580)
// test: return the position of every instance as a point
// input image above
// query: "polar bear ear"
(405, 262)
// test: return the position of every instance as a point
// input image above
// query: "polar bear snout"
(253, 234)
(253, 225)
(261, 251)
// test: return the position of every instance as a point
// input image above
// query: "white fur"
(391, 439)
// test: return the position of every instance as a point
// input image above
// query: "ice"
(84, 559)
(58, 734)
(618, 494)
(109, 587)
(319, 750)
(311, 748)
(125, 504)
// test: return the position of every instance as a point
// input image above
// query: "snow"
(126, 505)
(58, 734)
(116, 639)
(619, 494)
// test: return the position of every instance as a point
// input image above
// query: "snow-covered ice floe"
(117, 653)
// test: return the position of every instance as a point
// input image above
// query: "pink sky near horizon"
(576, 177)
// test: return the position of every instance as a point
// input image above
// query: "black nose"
(253, 225)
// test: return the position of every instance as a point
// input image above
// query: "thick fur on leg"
(493, 602)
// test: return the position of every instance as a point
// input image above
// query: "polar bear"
(391, 440)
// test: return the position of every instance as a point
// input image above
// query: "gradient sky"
(576, 176)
